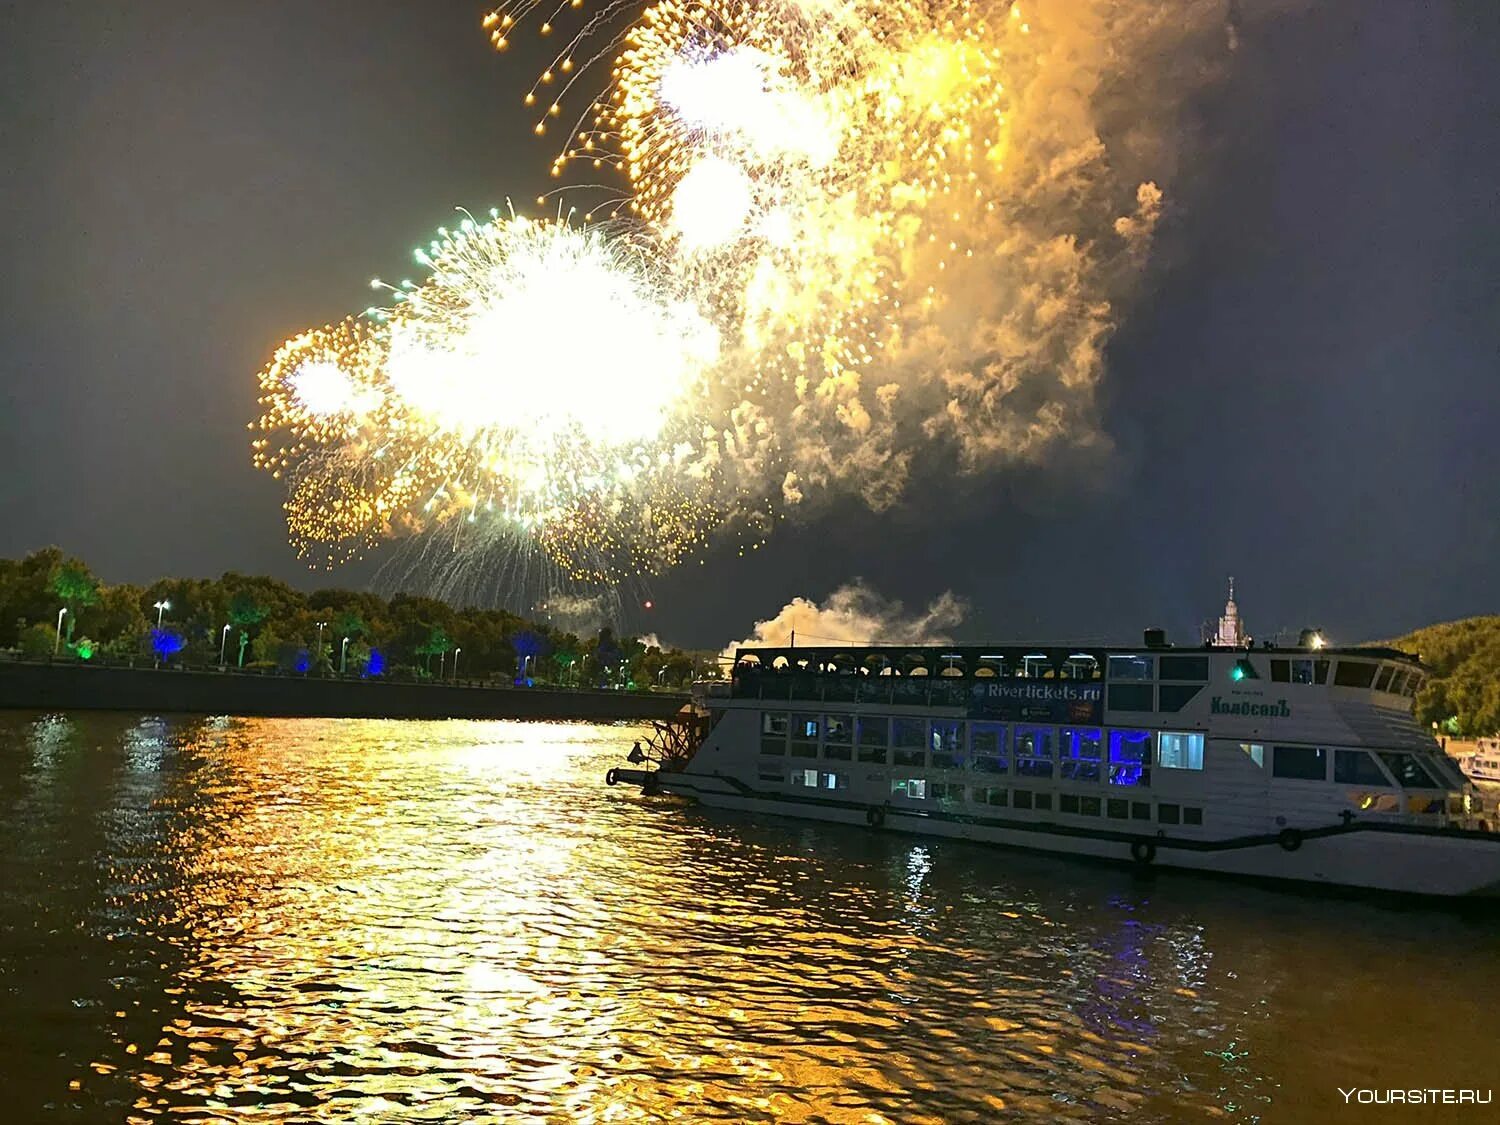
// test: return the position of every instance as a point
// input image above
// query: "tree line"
(1463, 695)
(53, 606)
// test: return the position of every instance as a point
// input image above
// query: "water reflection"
(256, 920)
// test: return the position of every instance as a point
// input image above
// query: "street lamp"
(455, 663)
(343, 655)
(321, 624)
(57, 641)
(160, 607)
(442, 662)
(223, 640)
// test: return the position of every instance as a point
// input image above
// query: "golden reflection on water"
(261, 921)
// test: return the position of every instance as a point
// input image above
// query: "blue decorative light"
(304, 662)
(376, 664)
(166, 643)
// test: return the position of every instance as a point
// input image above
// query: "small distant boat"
(1484, 763)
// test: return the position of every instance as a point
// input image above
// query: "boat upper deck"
(958, 675)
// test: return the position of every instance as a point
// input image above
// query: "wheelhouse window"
(1130, 757)
(1302, 671)
(1356, 767)
(1185, 668)
(1407, 771)
(1034, 751)
(1281, 671)
(1080, 753)
(987, 748)
(1174, 697)
(1132, 697)
(1131, 667)
(1300, 763)
(1354, 674)
(1179, 750)
(1383, 680)
(1255, 752)
(1398, 683)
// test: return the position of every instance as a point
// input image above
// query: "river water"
(328, 920)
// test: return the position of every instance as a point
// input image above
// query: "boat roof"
(1051, 650)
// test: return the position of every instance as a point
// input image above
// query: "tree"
(1463, 693)
(77, 589)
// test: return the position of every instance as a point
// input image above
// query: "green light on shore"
(85, 650)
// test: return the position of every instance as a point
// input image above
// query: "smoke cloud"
(856, 614)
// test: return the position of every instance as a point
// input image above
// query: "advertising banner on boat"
(1050, 701)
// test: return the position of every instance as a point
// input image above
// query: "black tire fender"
(612, 777)
(1143, 851)
(1290, 839)
(875, 816)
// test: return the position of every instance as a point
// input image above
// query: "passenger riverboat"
(1484, 763)
(1298, 763)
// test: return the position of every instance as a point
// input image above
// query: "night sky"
(1305, 395)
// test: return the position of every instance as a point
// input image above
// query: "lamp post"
(442, 662)
(455, 663)
(57, 641)
(161, 607)
(223, 640)
(343, 655)
(321, 624)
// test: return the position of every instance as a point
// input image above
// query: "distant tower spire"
(1231, 632)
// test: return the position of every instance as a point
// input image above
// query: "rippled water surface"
(258, 920)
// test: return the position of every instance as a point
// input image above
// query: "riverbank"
(63, 687)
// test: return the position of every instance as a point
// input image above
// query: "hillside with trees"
(53, 607)
(1463, 696)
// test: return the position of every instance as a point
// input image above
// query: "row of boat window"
(998, 796)
(1092, 754)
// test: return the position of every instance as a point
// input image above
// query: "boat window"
(804, 749)
(1281, 671)
(908, 732)
(1356, 767)
(1118, 808)
(1130, 757)
(1044, 801)
(1302, 671)
(875, 754)
(1140, 810)
(945, 791)
(1090, 806)
(1301, 763)
(838, 728)
(1130, 667)
(1375, 802)
(836, 752)
(1034, 752)
(1067, 803)
(1408, 771)
(872, 731)
(1179, 751)
(1192, 815)
(1423, 804)
(907, 756)
(1185, 668)
(769, 774)
(1131, 697)
(1383, 680)
(1022, 799)
(996, 795)
(987, 747)
(807, 779)
(1081, 751)
(1353, 673)
(1320, 671)
(1414, 684)
(947, 735)
(1168, 814)
(805, 728)
(914, 788)
(834, 780)
(1174, 697)
(1444, 767)
(773, 722)
(1398, 683)
(1256, 752)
